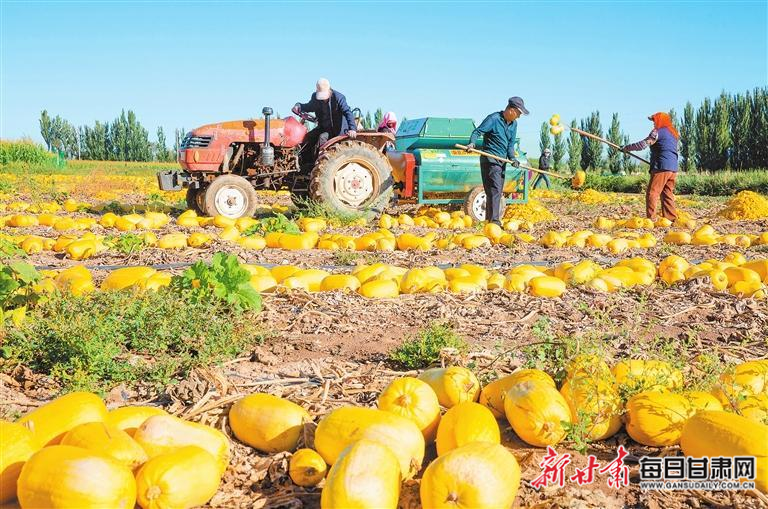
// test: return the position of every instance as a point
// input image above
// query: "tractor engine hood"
(287, 132)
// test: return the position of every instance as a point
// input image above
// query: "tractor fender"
(378, 140)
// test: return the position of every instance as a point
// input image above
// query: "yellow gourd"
(164, 433)
(536, 412)
(81, 249)
(365, 476)
(578, 179)
(478, 476)
(755, 408)
(51, 421)
(591, 365)
(129, 418)
(656, 418)
(379, 289)
(546, 286)
(492, 395)
(126, 277)
(66, 477)
(263, 283)
(172, 241)
(18, 444)
(100, 437)
(595, 404)
(714, 433)
(642, 375)
(345, 425)
(746, 379)
(453, 385)
(702, 401)
(268, 423)
(465, 423)
(179, 479)
(415, 400)
(678, 238)
(307, 468)
(339, 282)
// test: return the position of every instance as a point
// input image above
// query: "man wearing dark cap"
(499, 131)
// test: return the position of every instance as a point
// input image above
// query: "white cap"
(323, 89)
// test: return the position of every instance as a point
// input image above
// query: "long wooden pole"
(610, 144)
(486, 154)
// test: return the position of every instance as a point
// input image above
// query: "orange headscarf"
(662, 119)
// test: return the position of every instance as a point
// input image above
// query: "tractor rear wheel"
(230, 196)
(352, 177)
(474, 204)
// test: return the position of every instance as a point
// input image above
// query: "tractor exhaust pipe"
(267, 151)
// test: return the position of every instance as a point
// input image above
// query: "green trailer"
(429, 169)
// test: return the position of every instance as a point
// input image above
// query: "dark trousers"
(492, 173)
(662, 184)
(540, 177)
(314, 139)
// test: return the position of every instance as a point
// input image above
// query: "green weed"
(311, 208)
(424, 348)
(96, 342)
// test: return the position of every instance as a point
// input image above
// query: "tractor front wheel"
(230, 196)
(474, 204)
(194, 199)
(352, 177)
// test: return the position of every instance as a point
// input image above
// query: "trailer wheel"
(230, 196)
(474, 204)
(353, 177)
(194, 201)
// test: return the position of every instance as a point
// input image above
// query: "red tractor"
(223, 164)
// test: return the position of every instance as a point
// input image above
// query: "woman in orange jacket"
(663, 141)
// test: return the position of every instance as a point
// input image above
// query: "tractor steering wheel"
(306, 117)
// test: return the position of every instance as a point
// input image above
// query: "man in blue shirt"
(499, 131)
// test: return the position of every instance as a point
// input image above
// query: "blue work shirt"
(498, 135)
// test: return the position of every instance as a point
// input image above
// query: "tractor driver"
(499, 130)
(334, 117)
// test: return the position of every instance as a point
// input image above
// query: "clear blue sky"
(189, 63)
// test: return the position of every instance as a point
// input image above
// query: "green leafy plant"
(127, 244)
(16, 282)
(10, 250)
(221, 280)
(424, 348)
(277, 223)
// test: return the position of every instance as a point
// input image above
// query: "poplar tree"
(574, 149)
(687, 138)
(544, 141)
(614, 136)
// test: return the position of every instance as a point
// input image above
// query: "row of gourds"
(73, 453)
(90, 244)
(735, 274)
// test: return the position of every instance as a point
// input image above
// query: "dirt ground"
(326, 350)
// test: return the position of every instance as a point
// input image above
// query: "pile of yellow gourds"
(73, 453)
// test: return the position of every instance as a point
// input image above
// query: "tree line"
(729, 132)
(123, 139)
